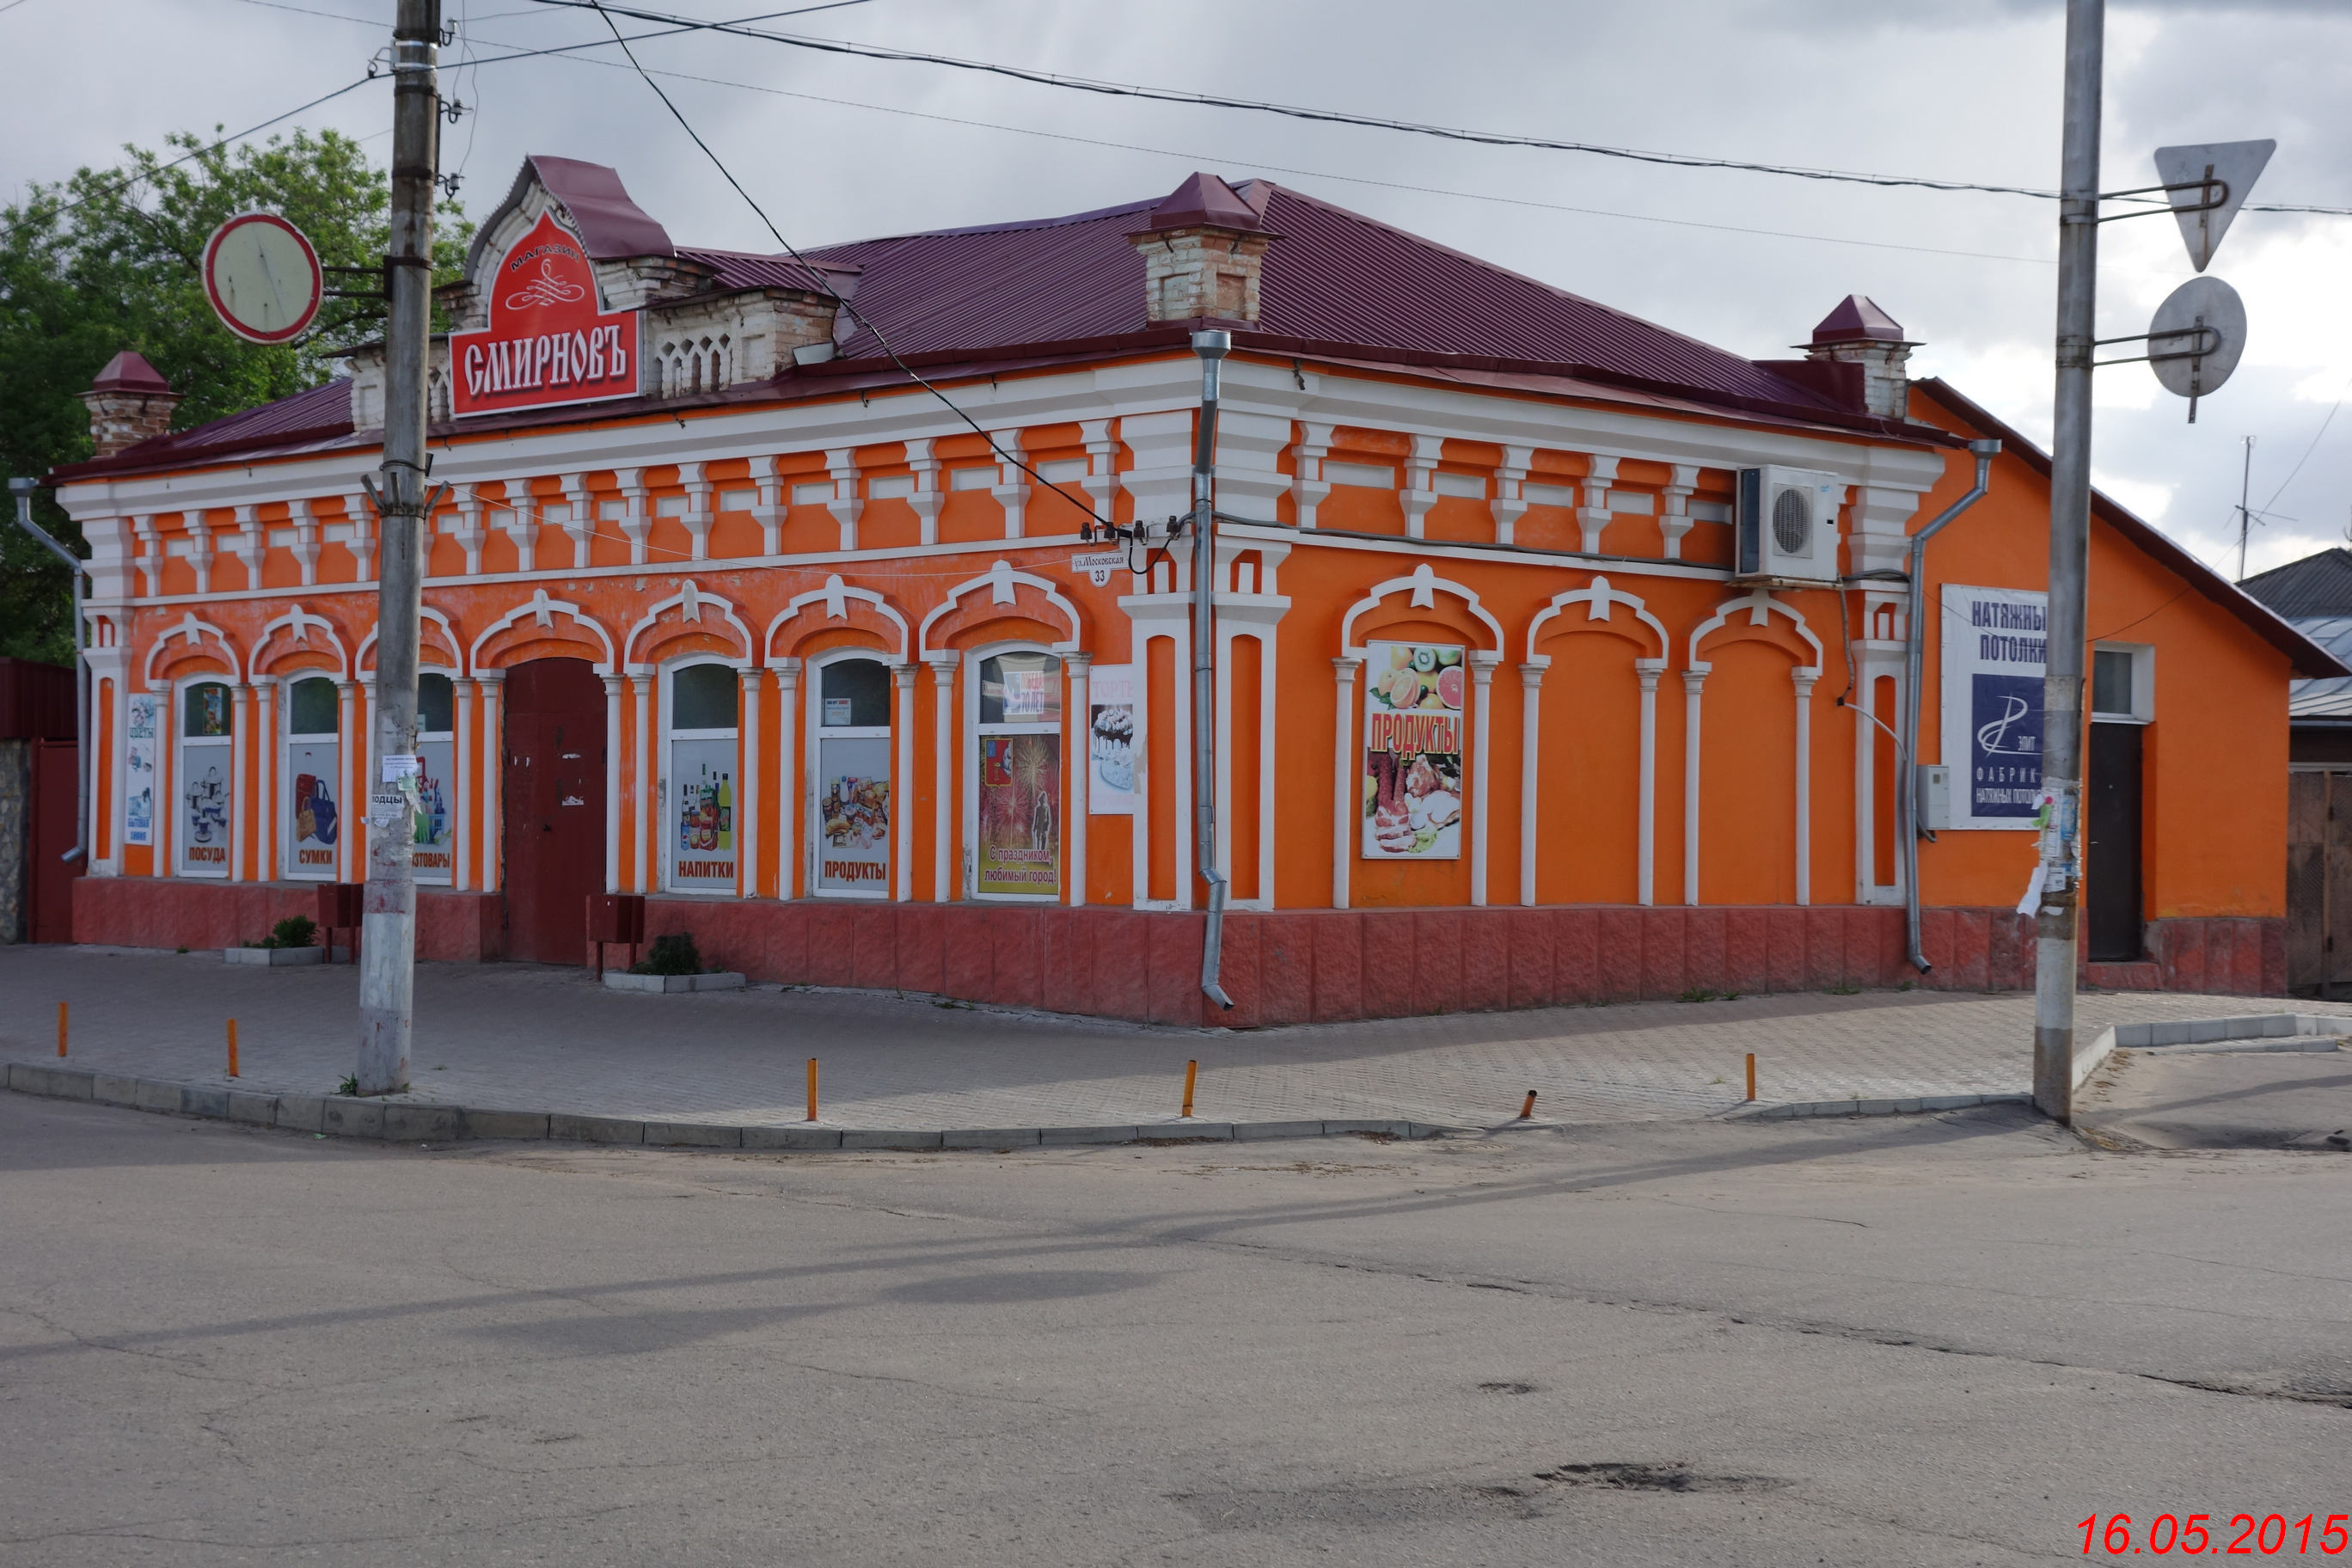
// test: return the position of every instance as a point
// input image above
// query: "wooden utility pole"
(388, 944)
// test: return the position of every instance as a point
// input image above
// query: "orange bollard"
(1191, 1072)
(61, 1028)
(1528, 1106)
(232, 1047)
(811, 1115)
(1751, 1074)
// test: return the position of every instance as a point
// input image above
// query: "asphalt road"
(2290, 1095)
(1937, 1341)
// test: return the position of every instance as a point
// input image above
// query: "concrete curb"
(395, 1121)
(1919, 1105)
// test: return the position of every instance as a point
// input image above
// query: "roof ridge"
(1098, 214)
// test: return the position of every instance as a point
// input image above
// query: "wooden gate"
(2319, 884)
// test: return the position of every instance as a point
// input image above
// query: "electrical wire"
(203, 151)
(2307, 451)
(1340, 117)
(842, 303)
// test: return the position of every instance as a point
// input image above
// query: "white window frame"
(818, 731)
(973, 660)
(671, 736)
(227, 746)
(284, 826)
(2143, 707)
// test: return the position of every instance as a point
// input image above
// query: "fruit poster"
(702, 815)
(316, 820)
(434, 854)
(139, 771)
(853, 810)
(1112, 755)
(1413, 751)
(1020, 837)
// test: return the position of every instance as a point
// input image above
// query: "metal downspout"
(1906, 793)
(1211, 346)
(24, 490)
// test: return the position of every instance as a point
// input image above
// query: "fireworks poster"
(853, 849)
(1996, 645)
(1020, 837)
(1413, 751)
(139, 771)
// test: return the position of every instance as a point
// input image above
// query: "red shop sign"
(547, 343)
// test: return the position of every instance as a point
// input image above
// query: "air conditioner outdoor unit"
(1788, 526)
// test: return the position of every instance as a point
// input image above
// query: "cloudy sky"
(840, 148)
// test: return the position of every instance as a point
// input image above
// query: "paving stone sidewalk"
(525, 1038)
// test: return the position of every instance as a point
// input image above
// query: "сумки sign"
(547, 343)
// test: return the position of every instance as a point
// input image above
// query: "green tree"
(109, 260)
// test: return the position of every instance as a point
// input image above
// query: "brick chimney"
(1202, 253)
(129, 403)
(1859, 332)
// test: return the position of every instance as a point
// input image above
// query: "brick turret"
(129, 403)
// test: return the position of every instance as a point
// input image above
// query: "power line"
(842, 303)
(203, 152)
(1331, 116)
(2307, 451)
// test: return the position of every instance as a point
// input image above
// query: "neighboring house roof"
(2327, 699)
(2315, 587)
(2309, 659)
(1336, 286)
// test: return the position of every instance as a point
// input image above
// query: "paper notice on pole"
(2033, 885)
(396, 768)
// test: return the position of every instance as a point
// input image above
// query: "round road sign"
(2201, 331)
(263, 278)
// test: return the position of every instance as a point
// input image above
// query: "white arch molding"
(297, 623)
(1002, 581)
(1422, 586)
(542, 611)
(835, 596)
(1598, 601)
(1759, 607)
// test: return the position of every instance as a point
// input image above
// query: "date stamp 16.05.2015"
(2196, 1535)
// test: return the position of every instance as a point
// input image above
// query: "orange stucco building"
(1558, 657)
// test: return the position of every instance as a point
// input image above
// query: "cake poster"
(1413, 751)
(1112, 754)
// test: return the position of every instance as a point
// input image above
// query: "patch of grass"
(951, 1002)
(1696, 994)
(350, 1086)
(1843, 991)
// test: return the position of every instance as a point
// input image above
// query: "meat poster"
(1413, 751)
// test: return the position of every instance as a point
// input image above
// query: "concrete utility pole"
(388, 944)
(2056, 921)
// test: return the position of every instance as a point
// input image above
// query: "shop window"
(1016, 826)
(435, 855)
(313, 824)
(201, 780)
(700, 708)
(851, 803)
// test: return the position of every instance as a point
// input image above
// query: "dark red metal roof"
(1207, 201)
(129, 371)
(320, 414)
(748, 269)
(1858, 319)
(612, 224)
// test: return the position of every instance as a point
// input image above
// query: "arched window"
(202, 780)
(1013, 806)
(436, 791)
(850, 805)
(701, 703)
(313, 823)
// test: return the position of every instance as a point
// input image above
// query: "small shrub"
(1696, 994)
(294, 931)
(350, 1086)
(673, 953)
(1845, 991)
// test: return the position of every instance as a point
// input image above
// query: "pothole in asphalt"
(1673, 1477)
(1507, 1388)
(1387, 1506)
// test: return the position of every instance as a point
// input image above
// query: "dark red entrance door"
(554, 807)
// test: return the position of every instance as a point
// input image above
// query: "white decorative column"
(1482, 686)
(943, 728)
(461, 826)
(493, 804)
(470, 531)
(637, 513)
(167, 777)
(359, 517)
(613, 684)
(582, 523)
(1803, 676)
(788, 785)
(519, 522)
(747, 790)
(1012, 487)
(1647, 671)
(649, 780)
(903, 827)
(1345, 808)
(1594, 515)
(698, 517)
(252, 544)
(200, 548)
(1101, 483)
(1693, 679)
(1531, 677)
(239, 775)
(841, 464)
(1307, 485)
(770, 513)
(265, 744)
(304, 515)
(352, 763)
(1677, 521)
(927, 498)
(151, 552)
(1420, 492)
(1078, 767)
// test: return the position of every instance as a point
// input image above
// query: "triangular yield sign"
(2236, 164)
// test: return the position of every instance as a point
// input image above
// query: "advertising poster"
(435, 856)
(202, 782)
(1995, 647)
(702, 815)
(1019, 848)
(316, 821)
(852, 782)
(1412, 750)
(1110, 741)
(139, 771)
